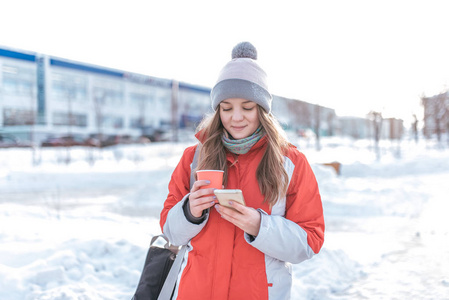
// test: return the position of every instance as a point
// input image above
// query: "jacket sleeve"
(174, 224)
(299, 234)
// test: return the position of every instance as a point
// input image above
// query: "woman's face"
(239, 117)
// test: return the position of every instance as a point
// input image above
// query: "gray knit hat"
(243, 78)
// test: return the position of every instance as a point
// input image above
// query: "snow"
(80, 230)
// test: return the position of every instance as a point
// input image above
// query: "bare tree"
(99, 100)
(438, 114)
(71, 93)
(330, 123)
(32, 122)
(376, 121)
(317, 126)
(415, 128)
(142, 104)
(445, 111)
(174, 109)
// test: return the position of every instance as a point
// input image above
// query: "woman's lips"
(238, 128)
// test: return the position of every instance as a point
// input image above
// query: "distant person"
(243, 254)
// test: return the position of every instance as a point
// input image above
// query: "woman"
(243, 254)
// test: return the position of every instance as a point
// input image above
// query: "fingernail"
(231, 203)
(215, 197)
(208, 181)
(212, 202)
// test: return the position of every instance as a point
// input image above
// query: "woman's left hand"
(245, 218)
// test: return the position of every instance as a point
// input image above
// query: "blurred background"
(99, 99)
(101, 72)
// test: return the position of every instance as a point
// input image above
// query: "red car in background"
(68, 141)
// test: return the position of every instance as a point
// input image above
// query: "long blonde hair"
(270, 174)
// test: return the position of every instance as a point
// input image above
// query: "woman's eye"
(248, 108)
(225, 109)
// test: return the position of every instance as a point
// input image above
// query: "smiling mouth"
(238, 127)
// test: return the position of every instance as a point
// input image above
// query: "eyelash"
(228, 109)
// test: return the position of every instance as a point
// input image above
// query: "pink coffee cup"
(214, 176)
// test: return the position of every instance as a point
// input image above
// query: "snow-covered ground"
(81, 230)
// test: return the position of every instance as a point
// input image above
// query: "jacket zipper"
(236, 160)
(215, 262)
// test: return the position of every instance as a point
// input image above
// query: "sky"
(353, 56)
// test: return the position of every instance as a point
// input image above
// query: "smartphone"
(224, 196)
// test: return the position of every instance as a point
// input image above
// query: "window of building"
(141, 101)
(108, 93)
(18, 80)
(66, 119)
(65, 87)
(112, 122)
(14, 117)
(136, 123)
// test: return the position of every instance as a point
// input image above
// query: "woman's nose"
(237, 115)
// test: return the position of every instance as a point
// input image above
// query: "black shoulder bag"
(162, 264)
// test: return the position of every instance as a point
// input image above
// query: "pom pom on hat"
(244, 50)
(242, 78)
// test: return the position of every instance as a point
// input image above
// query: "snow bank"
(46, 256)
(81, 230)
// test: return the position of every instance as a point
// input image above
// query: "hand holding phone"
(224, 196)
(247, 219)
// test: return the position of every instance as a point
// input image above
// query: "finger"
(249, 223)
(204, 192)
(230, 215)
(227, 213)
(206, 205)
(198, 210)
(198, 184)
(238, 206)
(202, 200)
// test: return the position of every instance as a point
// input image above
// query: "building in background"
(43, 96)
(18, 92)
(392, 129)
(436, 115)
(354, 127)
(300, 116)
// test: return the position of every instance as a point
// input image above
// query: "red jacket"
(223, 262)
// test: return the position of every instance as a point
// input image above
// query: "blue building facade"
(43, 96)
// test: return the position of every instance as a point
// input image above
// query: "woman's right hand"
(201, 199)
